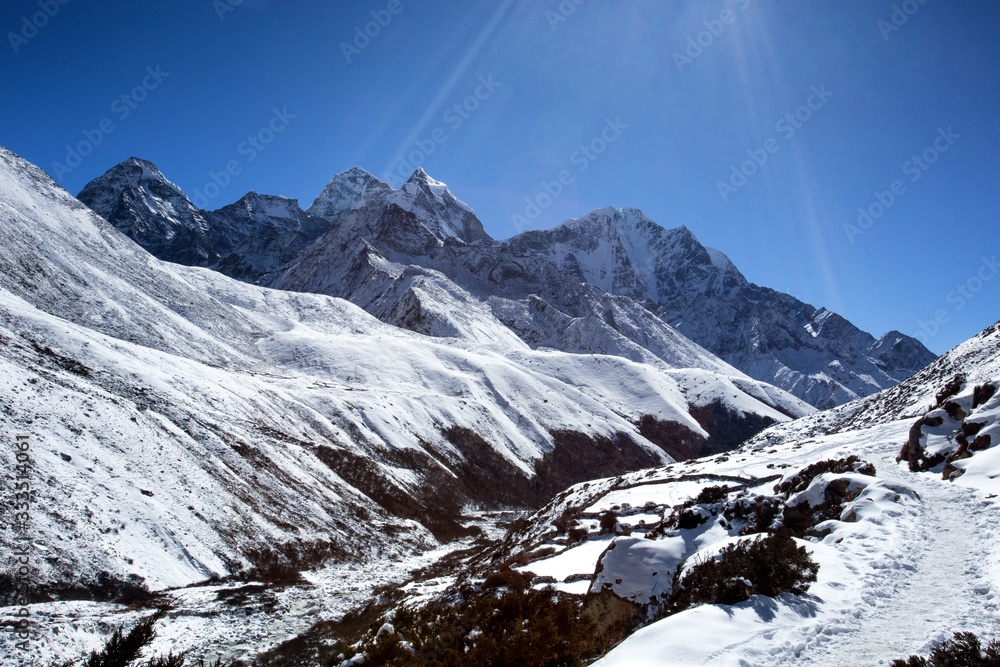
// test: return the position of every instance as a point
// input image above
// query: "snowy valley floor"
(232, 620)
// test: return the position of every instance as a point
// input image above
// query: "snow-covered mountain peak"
(721, 260)
(142, 203)
(443, 213)
(635, 231)
(147, 171)
(421, 176)
(102, 193)
(613, 218)
(771, 336)
(255, 213)
(254, 200)
(623, 251)
(346, 191)
(420, 181)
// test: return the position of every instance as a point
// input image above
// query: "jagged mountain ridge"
(374, 246)
(813, 353)
(250, 239)
(384, 256)
(445, 215)
(139, 201)
(605, 283)
(279, 231)
(418, 258)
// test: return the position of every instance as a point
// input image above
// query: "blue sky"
(645, 104)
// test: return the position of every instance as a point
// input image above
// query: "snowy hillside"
(418, 258)
(912, 558)
(189, 428)
(815, 354)
(893, 498)
(977, 360)
(401, 255)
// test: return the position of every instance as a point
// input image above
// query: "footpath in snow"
(891, 585)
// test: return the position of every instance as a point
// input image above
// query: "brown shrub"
(982, 394)
(768, 566)
(953, 387)
(508, 578)
(802, 479)
(963, 650)
(530, 628)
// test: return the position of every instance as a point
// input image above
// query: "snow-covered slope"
(975, 361)
(904, 537)
(181, 420)
(377, 245)
(552, 288)
(899, 571)
(379, 250)
(813, 353)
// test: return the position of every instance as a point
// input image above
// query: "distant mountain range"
(612, 282)
(813, 353)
